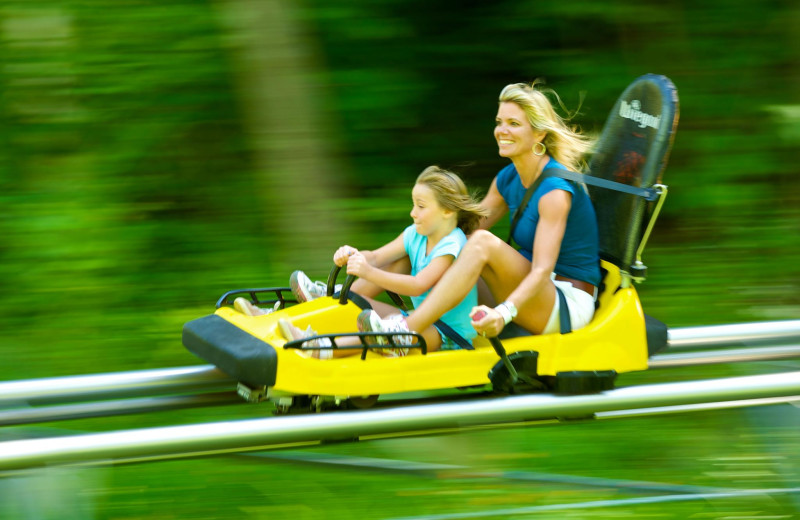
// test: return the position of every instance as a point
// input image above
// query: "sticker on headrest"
(633, 111)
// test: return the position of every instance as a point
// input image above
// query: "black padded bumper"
(237, 353)
(657, 335)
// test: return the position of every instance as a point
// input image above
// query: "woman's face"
(514, 134)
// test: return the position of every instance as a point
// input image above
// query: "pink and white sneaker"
(370, 321)
(304, 289)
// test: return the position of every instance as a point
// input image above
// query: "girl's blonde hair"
(451, 194)
(564, 143)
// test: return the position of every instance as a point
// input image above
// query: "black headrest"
(632, 149)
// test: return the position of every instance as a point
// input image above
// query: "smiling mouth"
(504, 141)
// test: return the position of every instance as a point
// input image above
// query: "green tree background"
(156, 154)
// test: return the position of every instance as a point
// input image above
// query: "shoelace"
(318, 288)
(397, 323)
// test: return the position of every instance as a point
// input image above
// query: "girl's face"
(514, 134)
(429, 217)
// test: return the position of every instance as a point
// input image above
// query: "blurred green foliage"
(150, 161)
(155, 154)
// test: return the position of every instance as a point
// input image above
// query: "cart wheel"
(363, 402)
(525, 364)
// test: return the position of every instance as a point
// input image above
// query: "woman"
(557, 231)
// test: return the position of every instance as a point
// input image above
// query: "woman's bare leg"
(484, 256)
(485, 296)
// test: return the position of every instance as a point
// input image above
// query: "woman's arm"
(496, 204)
(553, 211)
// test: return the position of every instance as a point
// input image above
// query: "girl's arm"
(496, 205)
(404, 284)
(384, 255)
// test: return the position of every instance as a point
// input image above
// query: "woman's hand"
(357, 265)
(486, 321)
(342, 254)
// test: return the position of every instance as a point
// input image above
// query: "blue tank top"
(579, 255)
(415, 244)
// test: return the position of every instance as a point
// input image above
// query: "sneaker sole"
(393, 351)
(286, 330)
(365, 324)
(243, 306)
(297, 289)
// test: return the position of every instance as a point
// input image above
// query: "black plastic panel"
(633, 149)
(237, 353)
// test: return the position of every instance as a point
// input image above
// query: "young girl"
(411, 264)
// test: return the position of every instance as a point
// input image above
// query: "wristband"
(507, 310)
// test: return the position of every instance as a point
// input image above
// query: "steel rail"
(65, 412)
(206, 378)
(32, 411)
(255, 434)
(183, 380)
(734, 355)
(742, 334)
(226, 396)
(700, 407)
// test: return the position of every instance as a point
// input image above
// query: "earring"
(544, 149)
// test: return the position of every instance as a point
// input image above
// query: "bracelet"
(505, 312)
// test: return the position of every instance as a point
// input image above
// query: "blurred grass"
(491, 470)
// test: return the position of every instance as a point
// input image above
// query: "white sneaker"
(304, 289)
(369, 321)
(244, 306)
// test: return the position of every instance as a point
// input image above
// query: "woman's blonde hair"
(451, 194)
(564, 143)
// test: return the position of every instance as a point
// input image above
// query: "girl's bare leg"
(369, 289)
(383, 309)
(432, 338)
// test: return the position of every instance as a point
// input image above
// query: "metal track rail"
(167, 381)
(249, 435)
(26, 397)
(736, 334)
(225, 395)
(207, 379)
(734, 355)
(66, 412)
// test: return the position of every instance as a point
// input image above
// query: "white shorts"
(580, 304)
